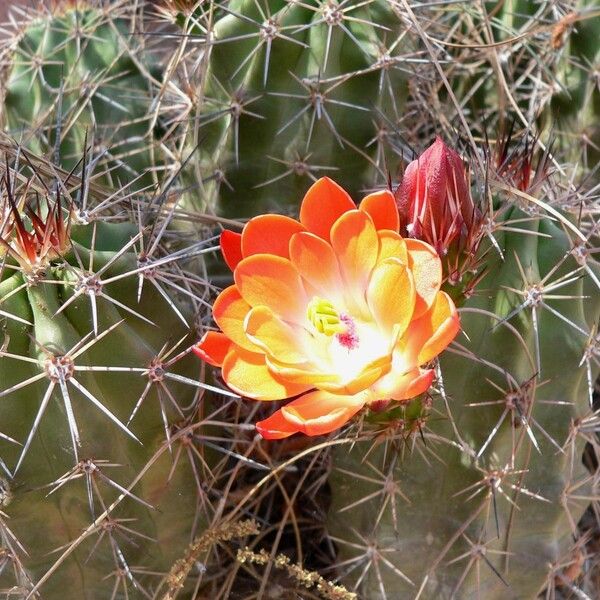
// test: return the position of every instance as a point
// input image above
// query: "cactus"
(285, 92)
(542, 72)
(76, 70)
(474, 490)
(576, 104)
(485, 501)
(100, 403)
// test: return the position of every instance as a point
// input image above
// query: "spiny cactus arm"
(494, 511)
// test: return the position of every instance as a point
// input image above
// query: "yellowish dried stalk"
(180, 570)
(308, 579)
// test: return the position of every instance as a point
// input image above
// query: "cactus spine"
(98, 390)
(78, 73)
(285, 92)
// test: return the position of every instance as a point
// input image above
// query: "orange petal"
(443, 323)
(306, 374)
(419, 385)
(276, 427)
(213, 347)
(426, 268)
(391, 245)
(371, 373)
(231, 248)
(429, 335)
(355, 242)
(229, 312)
(266, 280)
(316, 262)
(269, 234)
(285, 343)
(319, 412)
(404, 386)
(322, 205)
(247, 374)
(383, 210)
(391, 295)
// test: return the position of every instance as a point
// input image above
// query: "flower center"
(324, 317)
(349, 338)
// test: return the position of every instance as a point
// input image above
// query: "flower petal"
(213, 347)
(269, 234)
(319, 412)
(391, 245)
(429, 335)
(419, 385)
(355, 242)
(443, 323)
(286, 343)
(371, 372)
(247, 374)
(267, 280)
(391, 295)
(229, 312)
(403, 386)
(231, 247)
(426, 268)
(316, 262)
(322, 205)
(383, 210)
(306, 373)
(276, 427)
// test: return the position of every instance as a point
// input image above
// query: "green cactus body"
(478, 509)
(293, 91)
(79, 74)
(576, 103)
(92, 371)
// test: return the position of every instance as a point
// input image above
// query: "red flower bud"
(434, 200)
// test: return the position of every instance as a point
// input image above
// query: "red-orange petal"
(383, 210)
(276, 427)
(231, 248)
(269, 234)
(247, 374)
(322, 205)
(213, 347)
(267, 280)
(319, 412)
(426, 267)
(229, 312)
(419, 385)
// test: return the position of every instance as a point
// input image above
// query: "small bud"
(435, 205)
(434, 199)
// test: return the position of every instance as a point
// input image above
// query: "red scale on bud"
(514, 163)
(33, 247)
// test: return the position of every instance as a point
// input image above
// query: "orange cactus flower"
(336, 309)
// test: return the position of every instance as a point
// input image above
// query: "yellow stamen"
(325, 318)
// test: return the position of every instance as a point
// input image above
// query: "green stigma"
(325, 318)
